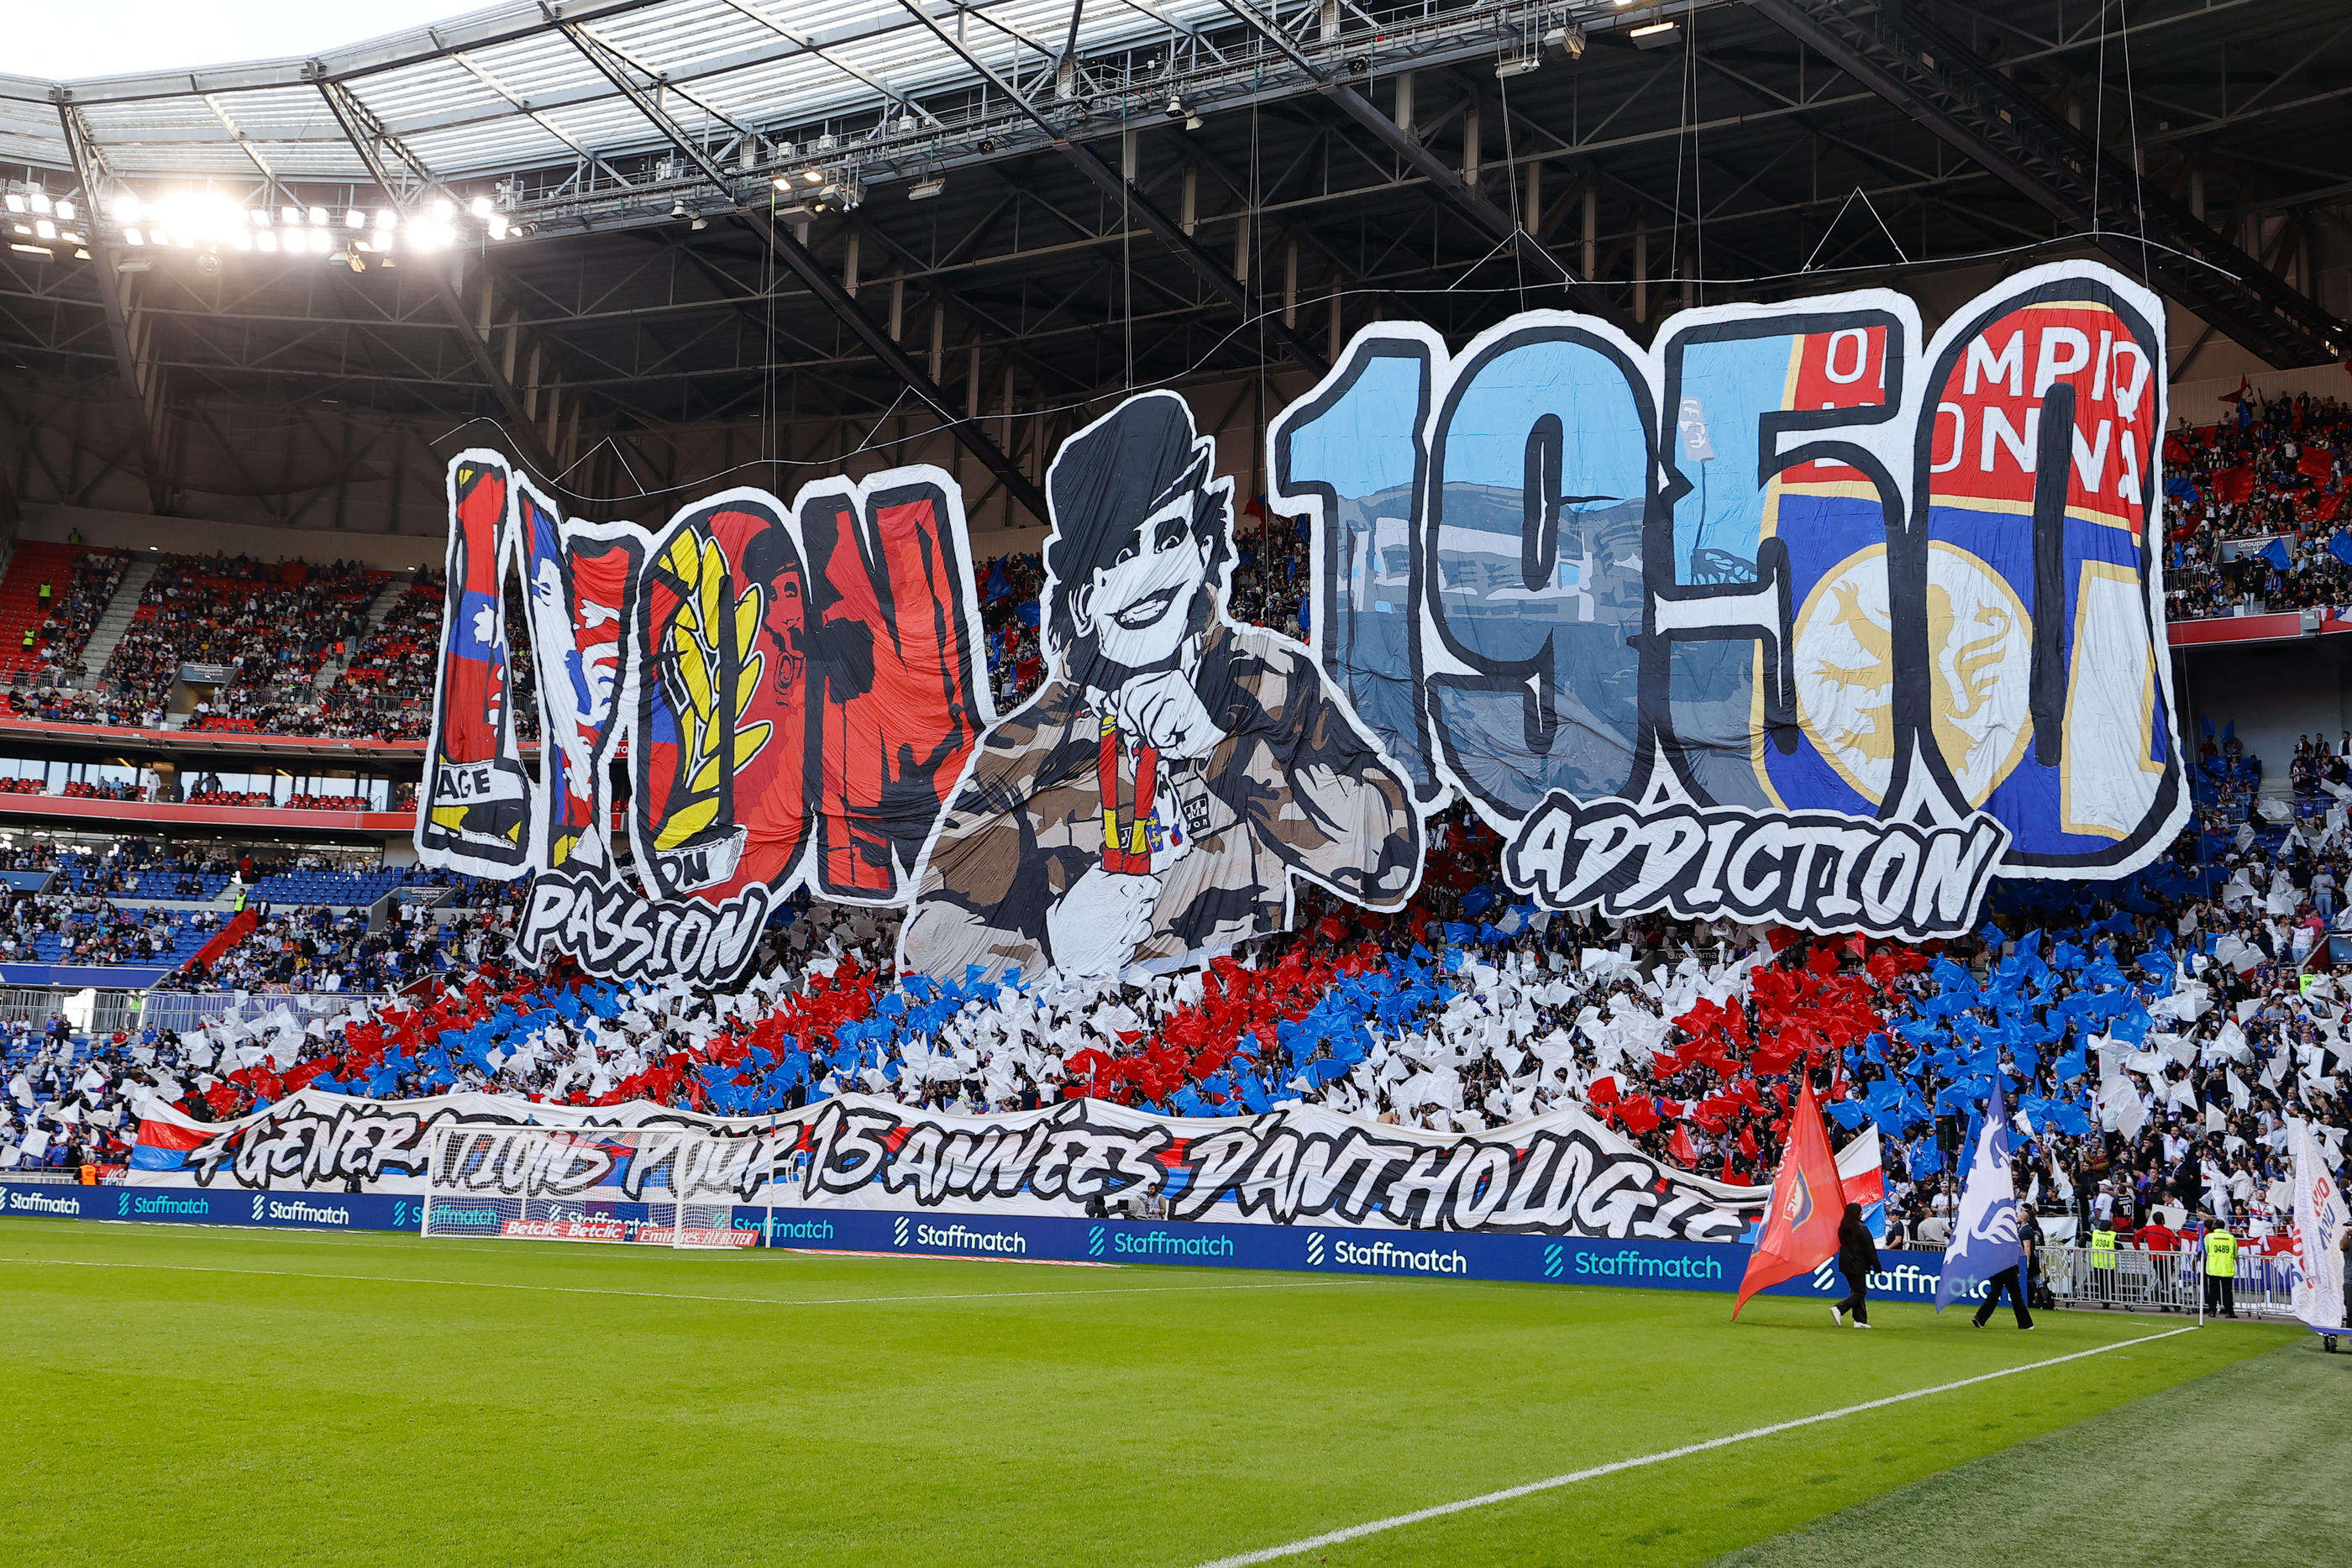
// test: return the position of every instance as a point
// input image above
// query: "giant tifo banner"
(1563, 1173)
(1786, 617)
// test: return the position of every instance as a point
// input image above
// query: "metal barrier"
(184, 1010)
(109, 1010)
(2143, 1281)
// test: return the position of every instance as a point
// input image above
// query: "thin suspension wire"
(1518, 209)
(1255, 322)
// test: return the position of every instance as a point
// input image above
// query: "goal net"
(648, 1187)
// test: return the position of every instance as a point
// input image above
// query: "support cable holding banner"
(803, 265)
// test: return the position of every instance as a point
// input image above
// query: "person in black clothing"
(1857, 1259)
(2008, 1279)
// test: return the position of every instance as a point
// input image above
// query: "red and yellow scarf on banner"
(1126, 842)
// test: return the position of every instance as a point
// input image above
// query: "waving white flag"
(2319, 1220)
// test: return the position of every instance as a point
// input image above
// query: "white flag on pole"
(2319, 1221)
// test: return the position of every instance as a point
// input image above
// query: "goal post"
(648, 1187)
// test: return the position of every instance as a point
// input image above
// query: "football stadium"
(1176, 782)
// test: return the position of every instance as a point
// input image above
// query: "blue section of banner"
(1312, 1249)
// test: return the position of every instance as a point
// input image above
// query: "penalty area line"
(1083, 1294)
(1397, 1521)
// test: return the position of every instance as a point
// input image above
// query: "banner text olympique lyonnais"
(1792, 616)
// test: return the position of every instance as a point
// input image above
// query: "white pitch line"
(1507, 1494)
(666, 1295)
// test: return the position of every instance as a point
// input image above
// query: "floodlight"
(924, 189)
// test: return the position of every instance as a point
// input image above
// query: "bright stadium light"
(267, 240)
(355, 219)
(383, 218)
(65, 211)
(133, 236)
(126, 208)
(319, 217)
(480, 208)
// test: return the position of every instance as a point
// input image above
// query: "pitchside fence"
(2144, 1281)
(646, 1185)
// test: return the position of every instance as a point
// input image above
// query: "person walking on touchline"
(1857, 1259)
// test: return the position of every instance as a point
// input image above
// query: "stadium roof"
(639, 219)
(506, 88)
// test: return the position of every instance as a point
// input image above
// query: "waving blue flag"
(1985, 1229)
(2275, 553)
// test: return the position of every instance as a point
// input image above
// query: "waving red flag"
(1808, 1200)
(2316, 463)
(2235, 485)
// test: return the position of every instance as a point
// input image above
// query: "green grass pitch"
(201, 1395)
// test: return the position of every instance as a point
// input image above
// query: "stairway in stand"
(381, 606)
(117, 617)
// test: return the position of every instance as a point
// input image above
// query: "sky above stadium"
(65, 41)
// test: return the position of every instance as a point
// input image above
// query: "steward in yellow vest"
(2221, 1269)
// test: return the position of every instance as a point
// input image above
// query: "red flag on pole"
(1808, 1200)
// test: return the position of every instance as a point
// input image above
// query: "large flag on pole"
(2319, 1220)
(1800, 1228)
(1985, 1239)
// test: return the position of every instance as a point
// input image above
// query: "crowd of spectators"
(386, 692)
(2154, 1034)
(313, 950)
(72, 613)
(64, 704)
(89, 928)
(2253, 505)
(270, 623)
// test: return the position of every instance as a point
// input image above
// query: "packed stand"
(387, 690)
(2268, 481)
(272, 623)
(2154, 1034)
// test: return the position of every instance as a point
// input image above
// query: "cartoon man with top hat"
(1153, 800)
